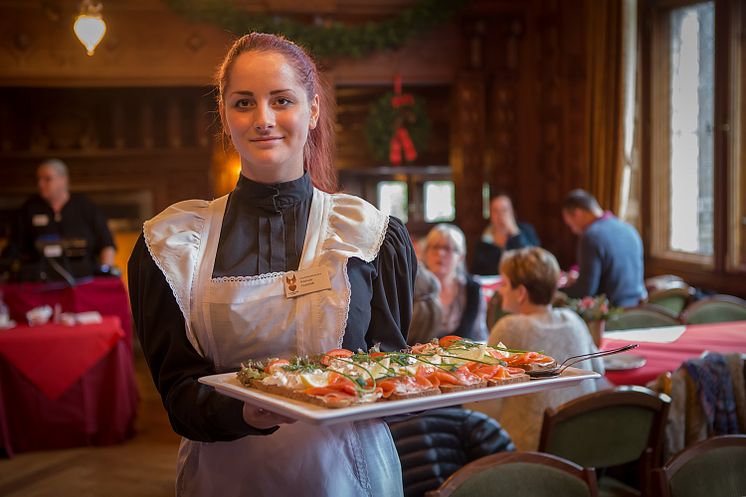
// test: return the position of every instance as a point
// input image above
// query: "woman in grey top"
(529, 283)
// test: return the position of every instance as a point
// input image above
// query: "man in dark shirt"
(59, 225)
(609, 253)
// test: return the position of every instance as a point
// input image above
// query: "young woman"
(529, 282)
(206, 284)
(461, 302)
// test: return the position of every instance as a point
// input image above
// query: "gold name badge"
(301, 282)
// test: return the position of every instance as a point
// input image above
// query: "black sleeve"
(486, 258)
(12, 249)
(469, 327)
(196, 411)
(393, 289)
(526, 237)
(531, 237)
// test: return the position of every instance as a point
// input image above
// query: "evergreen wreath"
(327, 39)
(383, 120)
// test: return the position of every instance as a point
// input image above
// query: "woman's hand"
(261, 418)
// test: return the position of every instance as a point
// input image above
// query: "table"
(65, 386)
(662, 357)
(106, 295)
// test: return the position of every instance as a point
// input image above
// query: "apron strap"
(205, 266)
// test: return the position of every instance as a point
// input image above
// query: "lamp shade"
(89, 29)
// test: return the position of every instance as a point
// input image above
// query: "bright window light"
(439, 201)
(393, 198)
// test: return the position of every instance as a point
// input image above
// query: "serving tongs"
(558, 370)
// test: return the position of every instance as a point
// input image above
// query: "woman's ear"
(314, 118)
(522, 294)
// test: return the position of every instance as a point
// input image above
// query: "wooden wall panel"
(505, 85)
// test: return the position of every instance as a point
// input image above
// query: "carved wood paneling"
(467, 150)
(504, 84)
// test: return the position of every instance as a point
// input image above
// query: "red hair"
(318, 151)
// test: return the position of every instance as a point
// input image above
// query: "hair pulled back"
(318, 151)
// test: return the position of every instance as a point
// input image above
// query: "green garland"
(330, 39)
(382, 122)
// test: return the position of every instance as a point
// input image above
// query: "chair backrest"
(715, 309)
(495, 310)
(675, 299)
(715, 467)
(642, 316)
(512, 474)
(608, 428)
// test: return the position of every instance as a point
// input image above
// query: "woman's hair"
(455, 237)
(318, 152)
(534, 268)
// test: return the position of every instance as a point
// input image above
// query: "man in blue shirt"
(609, 252)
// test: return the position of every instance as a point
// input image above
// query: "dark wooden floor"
(141, 467)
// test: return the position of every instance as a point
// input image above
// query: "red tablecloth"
(661, 357)
(65, 387)
(106, 295)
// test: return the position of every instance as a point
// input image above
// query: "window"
(440, 204)
(393, 199)
(693, 104)
(686, 138)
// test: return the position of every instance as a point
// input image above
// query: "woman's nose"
(265, 118)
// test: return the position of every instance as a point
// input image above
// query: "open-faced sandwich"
(342, 378)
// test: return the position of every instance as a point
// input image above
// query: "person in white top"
(529, 281)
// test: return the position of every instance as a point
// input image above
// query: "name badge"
(305, 281)
(40, 220)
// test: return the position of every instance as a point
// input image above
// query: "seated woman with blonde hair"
(460, 297)
(529, 281)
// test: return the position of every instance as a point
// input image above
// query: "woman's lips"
(265, 139)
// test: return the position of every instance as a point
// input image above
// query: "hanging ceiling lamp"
(89, 26)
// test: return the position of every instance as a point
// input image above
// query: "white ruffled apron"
(232, 319)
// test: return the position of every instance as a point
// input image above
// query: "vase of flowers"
(594, 311)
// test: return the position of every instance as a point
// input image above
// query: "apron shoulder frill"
(173, 239)
(356, 228)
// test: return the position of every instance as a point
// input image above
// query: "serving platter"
(228, 384)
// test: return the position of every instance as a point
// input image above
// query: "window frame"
(723, 270)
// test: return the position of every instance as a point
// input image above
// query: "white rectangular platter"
(228, 384)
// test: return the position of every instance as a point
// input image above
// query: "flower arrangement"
(593, 308)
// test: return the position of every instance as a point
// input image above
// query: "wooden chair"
(642, 316)
(514, 474)
(675, 299)
(715, 309)
(609, 428)
(715, 467)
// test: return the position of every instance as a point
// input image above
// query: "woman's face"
(268, 116)
(512, 297)
(501, 212)
(442, 257)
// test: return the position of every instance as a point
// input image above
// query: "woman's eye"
(283, 101)
(243, 103)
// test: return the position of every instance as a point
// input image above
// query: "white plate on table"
(624, 362)
(228, 384)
